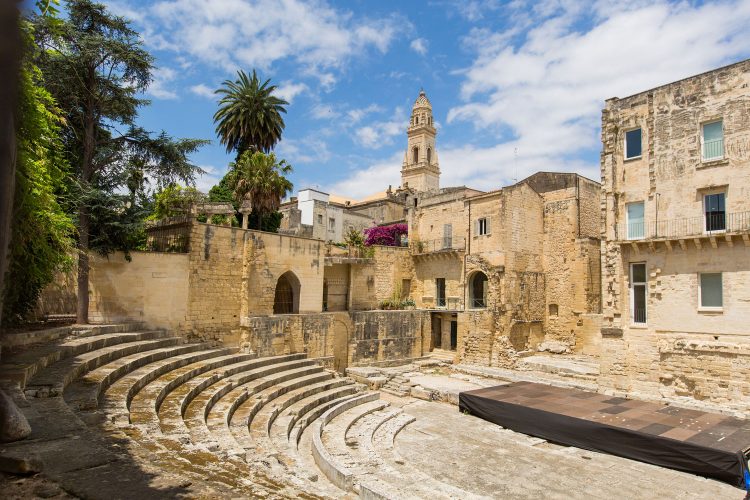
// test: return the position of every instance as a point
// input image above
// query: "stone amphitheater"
(120, 411)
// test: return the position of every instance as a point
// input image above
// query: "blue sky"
(516, 86)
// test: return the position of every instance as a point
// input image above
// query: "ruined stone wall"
(289, 333)
(336, 279)
(387, 335)
(381, 278)
(152, 287)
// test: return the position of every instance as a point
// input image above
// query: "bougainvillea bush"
(385, 235)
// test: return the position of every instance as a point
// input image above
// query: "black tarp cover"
(701, 459)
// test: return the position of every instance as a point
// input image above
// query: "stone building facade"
(675, 218)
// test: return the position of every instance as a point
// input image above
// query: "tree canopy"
(96, 68)
(249, 115)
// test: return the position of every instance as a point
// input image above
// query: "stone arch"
(286, 295)
(478, 285)
(415, 154)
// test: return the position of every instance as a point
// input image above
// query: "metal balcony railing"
(448, 244)
(713, 150)
(709, 224)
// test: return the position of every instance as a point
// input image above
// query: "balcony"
(440, 247)
(713, 150)
(710, 226)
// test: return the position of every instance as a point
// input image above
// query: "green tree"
(41, 234)
(260, 178)
(249, 115)
(175, 200)
(95, 67)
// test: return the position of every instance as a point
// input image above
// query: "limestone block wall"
(58, 297)
(427, 268)
(215, 281)
(151, 287)
(289, 333)
(381, 278)
(387, 335)
(267, 257)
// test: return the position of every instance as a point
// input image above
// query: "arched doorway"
(286, 297)
(478, 290)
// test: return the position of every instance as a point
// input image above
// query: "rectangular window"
(714, 206)
(710, 291)
(331, 223)
(440, 292)
(483, 226)
(447, 236)
(320, 219)
(712, 139)
(638, 287)
(636, 221)
(633, 144)
(405, 289)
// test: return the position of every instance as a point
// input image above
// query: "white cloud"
(203, 90)
(322, 111)
(257, 33)
(379, 134)
(369, 180)
(310, 149)
(289, 90)
(356, 115)
(542, 97)
(549, 90)
(208, 180)
(161, 79)
(419, 45)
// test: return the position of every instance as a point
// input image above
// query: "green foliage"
(175, 200)
(249, 115)
(41, 232)
(354, 238)
(260, 178)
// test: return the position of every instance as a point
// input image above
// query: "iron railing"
(168, 235)
(478, 303)
(448, 244)
(709, 224)
(713, 150)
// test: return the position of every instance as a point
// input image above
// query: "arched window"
(415, 154)
(286, 297)
(416, 120)
(478, 290)
(429, 155)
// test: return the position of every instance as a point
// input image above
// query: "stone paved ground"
(490, 461)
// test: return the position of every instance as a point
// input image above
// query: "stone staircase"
(397, 385)
(120, 408)
(442, 355)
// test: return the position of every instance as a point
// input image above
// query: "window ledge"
(711, 310)
(633, 158)
(639, 326)
(718, 162)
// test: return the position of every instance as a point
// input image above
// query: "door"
(638, 293)
(454, 335)
(437, 332)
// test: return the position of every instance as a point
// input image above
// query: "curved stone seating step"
(52, 380)
(176, 390)
(84, 393)
(196, 414)
(22, 366)
(223, 413)
(310, 412)
(144, 403)
(334, 433)
(262, 427)
(359, 406)
(116, 399)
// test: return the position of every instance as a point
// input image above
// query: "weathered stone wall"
(381, 278)
(681, 351)
(58, 297)
(387, 335)
(429, 267)
(336, 280)
(152, 287)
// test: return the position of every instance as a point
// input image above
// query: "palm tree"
(260, 178)
(249, 115)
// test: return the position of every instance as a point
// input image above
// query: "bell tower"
(420, 170)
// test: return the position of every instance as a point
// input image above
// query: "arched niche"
(286, 296)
